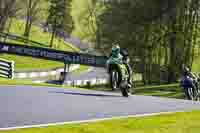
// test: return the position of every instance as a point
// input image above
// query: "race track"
(93, 73)
(26, 105)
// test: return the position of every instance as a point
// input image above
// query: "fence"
(6, 69)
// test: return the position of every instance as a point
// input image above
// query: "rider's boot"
(129, 85)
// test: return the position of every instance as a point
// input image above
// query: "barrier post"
(64, 73)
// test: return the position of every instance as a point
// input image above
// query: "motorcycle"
(191, 92)
(119, 75)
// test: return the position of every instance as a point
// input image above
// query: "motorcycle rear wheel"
(192, 94)
(124, 89)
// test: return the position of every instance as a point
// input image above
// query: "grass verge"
(4, 81)
(187, 122)
(168, 91)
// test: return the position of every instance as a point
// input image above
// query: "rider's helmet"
(186, 71)
(115, 51)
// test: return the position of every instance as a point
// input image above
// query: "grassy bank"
(23, 63)
(28, 63)
(187, 122)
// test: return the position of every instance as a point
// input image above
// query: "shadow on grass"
(85, 94)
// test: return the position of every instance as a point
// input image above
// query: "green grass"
(82, 69)
(34, 64)
(11, 82)
(169, 91)
(84, 22)
(196, 65)
(39, 36)
(29, 63)
(4, 81)
(187, 122)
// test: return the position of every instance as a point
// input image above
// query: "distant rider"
(192, 76)
(188, 80)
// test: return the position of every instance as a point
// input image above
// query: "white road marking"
(88, 121)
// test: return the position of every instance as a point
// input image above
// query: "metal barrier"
(6, 68)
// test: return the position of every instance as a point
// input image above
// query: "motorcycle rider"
(188, 80)
(117, 57)
(192, 76)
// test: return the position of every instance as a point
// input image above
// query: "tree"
(160, 33)
(59, 18)
(7, 9)
(68, 21)
(32, 11)
(86, 19)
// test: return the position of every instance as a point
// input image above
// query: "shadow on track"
(85, 94)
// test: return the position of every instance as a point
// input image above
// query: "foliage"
(159, 33)
(7, 9)
(28, 63)
(85, 16)
(59, 18)
(185, 122)
(32, 10)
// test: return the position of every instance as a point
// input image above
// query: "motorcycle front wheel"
(114, 77)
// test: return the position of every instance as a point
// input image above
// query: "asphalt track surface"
(26, 105)
(93, 73)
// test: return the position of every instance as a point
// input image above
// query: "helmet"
(115, 50)
(186, 71)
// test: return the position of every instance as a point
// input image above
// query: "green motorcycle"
(120, 74)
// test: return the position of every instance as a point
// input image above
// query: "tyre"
(190, 93)
(195, 94)
(115, 78)
(124, 89)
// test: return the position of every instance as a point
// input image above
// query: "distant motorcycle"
(119, 75)
(191, 92)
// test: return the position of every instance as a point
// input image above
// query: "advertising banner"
(51, 54)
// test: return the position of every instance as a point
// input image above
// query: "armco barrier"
(25, 75)
(91, 81)
(6, 68)
(94, 81)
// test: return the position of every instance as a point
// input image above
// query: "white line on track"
(87, 121)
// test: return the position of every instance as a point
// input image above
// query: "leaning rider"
(191, 76)
(117, 58)
(187, 82)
